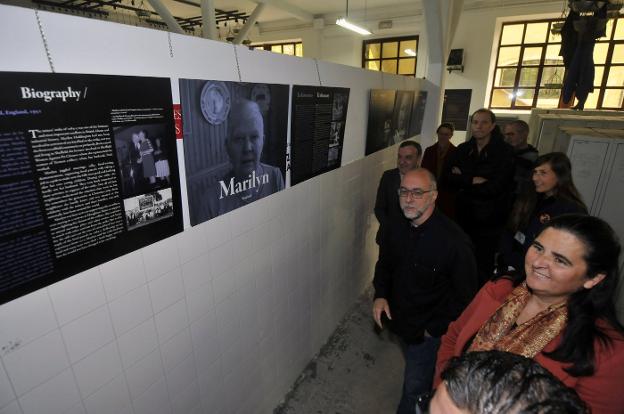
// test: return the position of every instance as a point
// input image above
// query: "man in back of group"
(425, 276)
(516, 135)
(387, 203)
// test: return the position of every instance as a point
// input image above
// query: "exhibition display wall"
(239, 302)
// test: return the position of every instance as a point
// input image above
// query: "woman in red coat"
(562, 314)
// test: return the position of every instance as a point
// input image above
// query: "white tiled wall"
(221, 318)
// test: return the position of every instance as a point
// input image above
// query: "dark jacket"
(427, 273)
(483, 205)
(387, 202)
(446, 199)
(525, 163)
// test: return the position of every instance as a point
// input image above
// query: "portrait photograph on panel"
(380, 112)
(401, 116)
(234, 136)
(418, 113)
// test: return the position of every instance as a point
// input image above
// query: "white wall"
(222, 317)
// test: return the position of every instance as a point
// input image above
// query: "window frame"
(599, 89)
(269, 47)
(397, 58)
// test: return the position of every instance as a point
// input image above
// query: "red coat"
(603, 391)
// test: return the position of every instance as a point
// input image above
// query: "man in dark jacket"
(480, 172)
(516, 135)
(425, 276)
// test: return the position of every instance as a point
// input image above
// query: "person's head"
(142, 135)
(574, 255)
(483, 123)
(553, 173)
(417, 195)
(493, 382)
(245, 137)
(517, 133)
(135, 138)
(445, 132)
(408, 156)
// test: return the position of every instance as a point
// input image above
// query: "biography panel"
(75, 150)
(318, 120)
(234, 143)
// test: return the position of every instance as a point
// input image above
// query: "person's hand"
(478, 180)
(456, 170)
(380, 305)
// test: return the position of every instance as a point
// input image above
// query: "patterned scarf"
(527, 339)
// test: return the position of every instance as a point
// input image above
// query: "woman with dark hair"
(434, 158)
(552, 195)
(562, 314)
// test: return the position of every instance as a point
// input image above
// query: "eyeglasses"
(417, 193)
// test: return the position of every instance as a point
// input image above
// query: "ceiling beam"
(249, 24)
(288, 8)
(166, 15)
(209, 20)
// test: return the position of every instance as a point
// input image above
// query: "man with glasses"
(425, 276)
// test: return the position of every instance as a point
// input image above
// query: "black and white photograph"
(73, 149)
(401, 116)
(380, 114)
(148, 208)
(234, 143)
(318, 124)
(142, 156)
(418, 113)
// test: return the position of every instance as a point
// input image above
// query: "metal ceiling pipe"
(166, 15)
(249, 24)
(209, 19)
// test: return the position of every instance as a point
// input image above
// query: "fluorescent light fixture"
(410, 52)
(347, 25)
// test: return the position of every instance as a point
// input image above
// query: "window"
(392, 55)
(289, 48)
(529, 71)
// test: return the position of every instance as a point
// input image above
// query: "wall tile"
(138, 342)
(53, 397)
(111, 398)
(217, 231)
(171, 321)
(205, 341)
(196, 273)
(6, 391)
(153, 401)
(166, 290)
(144, 373)
(200, 301)
(176, 349)
(191, 243)
(12, 408)
(223, 258)
(37, 362)
(160, 257)
(187, 401)
(181, 376)
(77, 295)
(130, 310)
(26, 318)
(123, 274)
(97, 369)
(88, 333)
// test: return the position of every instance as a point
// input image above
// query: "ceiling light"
(348, 25)
(410, 52)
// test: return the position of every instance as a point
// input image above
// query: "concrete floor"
(356, 371)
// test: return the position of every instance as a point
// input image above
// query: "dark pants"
(420, 362)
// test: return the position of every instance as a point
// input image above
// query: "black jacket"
(387, 202)
(427, 273)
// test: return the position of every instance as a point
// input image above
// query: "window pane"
(552, 55)
(524, 97)
(619, 30)
(616, 76)
(532, 55)
(501, 98)
(548, 98)
(600, 53)
(508, 56)
(407, 45)
(289, 49)
(299, 49)
(536, 33)
(609, 30)
(613, 98)
(372, 65)
(592, 101)
(618, 53)
(372, 51)
(528, 77)
(390, 50)
(276, 48)
(407, 66)
(552, 77)
(389, 66)
(505, 77)
(599, 72)
(512, 34)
